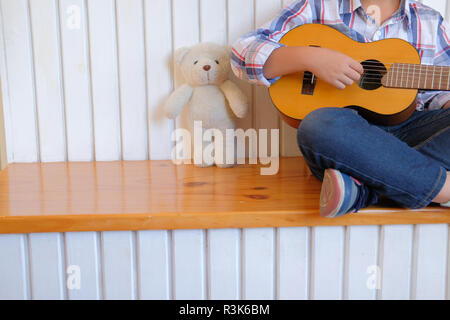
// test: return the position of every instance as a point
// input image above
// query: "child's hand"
(334, 67)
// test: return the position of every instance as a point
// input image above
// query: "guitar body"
(298, 94)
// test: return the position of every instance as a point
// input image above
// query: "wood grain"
(144, 195)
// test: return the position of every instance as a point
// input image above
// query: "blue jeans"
(406, 163)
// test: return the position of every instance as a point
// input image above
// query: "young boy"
(358, 161)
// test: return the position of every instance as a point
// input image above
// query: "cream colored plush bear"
(208, 93)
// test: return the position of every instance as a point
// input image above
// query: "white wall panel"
(240, 22)
(47, 266)
(293, 263)
(189, 264)
(186, 33)
(362, 273)
(133, 77)
(83, 269)
(430, 262)
(213, 21)
(223, 264)
(154, 265)
(396, 262)
(76, 79)
(265, 115)
(267, 263)
(327, 263)
(258, 264)
(158, 14)
(105, 79)
(48, 82)
(22, 136)
(14, 268)
(82, 86)
(118, 260)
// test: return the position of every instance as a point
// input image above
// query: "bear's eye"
(217, 61)
(195, 62)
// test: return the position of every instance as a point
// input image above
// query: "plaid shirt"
(414, 22)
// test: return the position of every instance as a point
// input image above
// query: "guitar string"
(364, 81)
(430, 75)
(424, 87)
(415, 72)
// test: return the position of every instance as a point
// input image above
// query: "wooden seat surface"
(143, 195)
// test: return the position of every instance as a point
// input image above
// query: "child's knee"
(324, 124)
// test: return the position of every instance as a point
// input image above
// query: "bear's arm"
(236, 98)
(177, 100)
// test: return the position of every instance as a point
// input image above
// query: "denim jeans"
(406, 163)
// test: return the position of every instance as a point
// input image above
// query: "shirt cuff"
(256, 58)
(439, 101)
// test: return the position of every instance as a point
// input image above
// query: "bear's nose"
(207, 67)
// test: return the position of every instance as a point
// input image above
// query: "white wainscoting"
(365, 262)
(84, 80)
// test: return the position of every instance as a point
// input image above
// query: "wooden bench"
(144, 195)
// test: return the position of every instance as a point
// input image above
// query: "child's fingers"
(346, 80)
(352, 74)
(338, 84)
(357, 66)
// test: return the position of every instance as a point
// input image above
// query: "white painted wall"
(88, 85)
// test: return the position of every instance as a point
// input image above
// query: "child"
(358, 161)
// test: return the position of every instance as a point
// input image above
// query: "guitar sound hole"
(374, 71)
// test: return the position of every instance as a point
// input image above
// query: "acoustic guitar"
(385, 94)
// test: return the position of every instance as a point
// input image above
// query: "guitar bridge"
(309, 83)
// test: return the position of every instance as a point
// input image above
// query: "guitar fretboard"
(414, 76)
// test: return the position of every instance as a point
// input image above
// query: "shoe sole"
(331, 194)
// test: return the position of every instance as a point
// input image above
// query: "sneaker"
(339, 194)
(447, 204)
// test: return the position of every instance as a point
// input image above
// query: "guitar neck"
(415, 76)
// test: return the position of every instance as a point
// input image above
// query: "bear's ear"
(180, 54)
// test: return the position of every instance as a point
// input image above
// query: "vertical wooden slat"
(265, 115)
(21, 111)
(258, 264)
(288, 136)
(293, 263)
(47, 267)
(362, 270)
(153, 264)
(50, 109)
(76, 79)
(158, 16)
(119, 265)
(14, 272)
(431, 262)
(132, 72)
(185, 28)
(189, 270)
(104, 77)
(6, 156)
(82, 266)
(240, 22)
(213, 24)
(396, 262)
(224, 264)
(327, 263)
(3, 155)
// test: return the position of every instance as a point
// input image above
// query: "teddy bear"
(210, 96)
